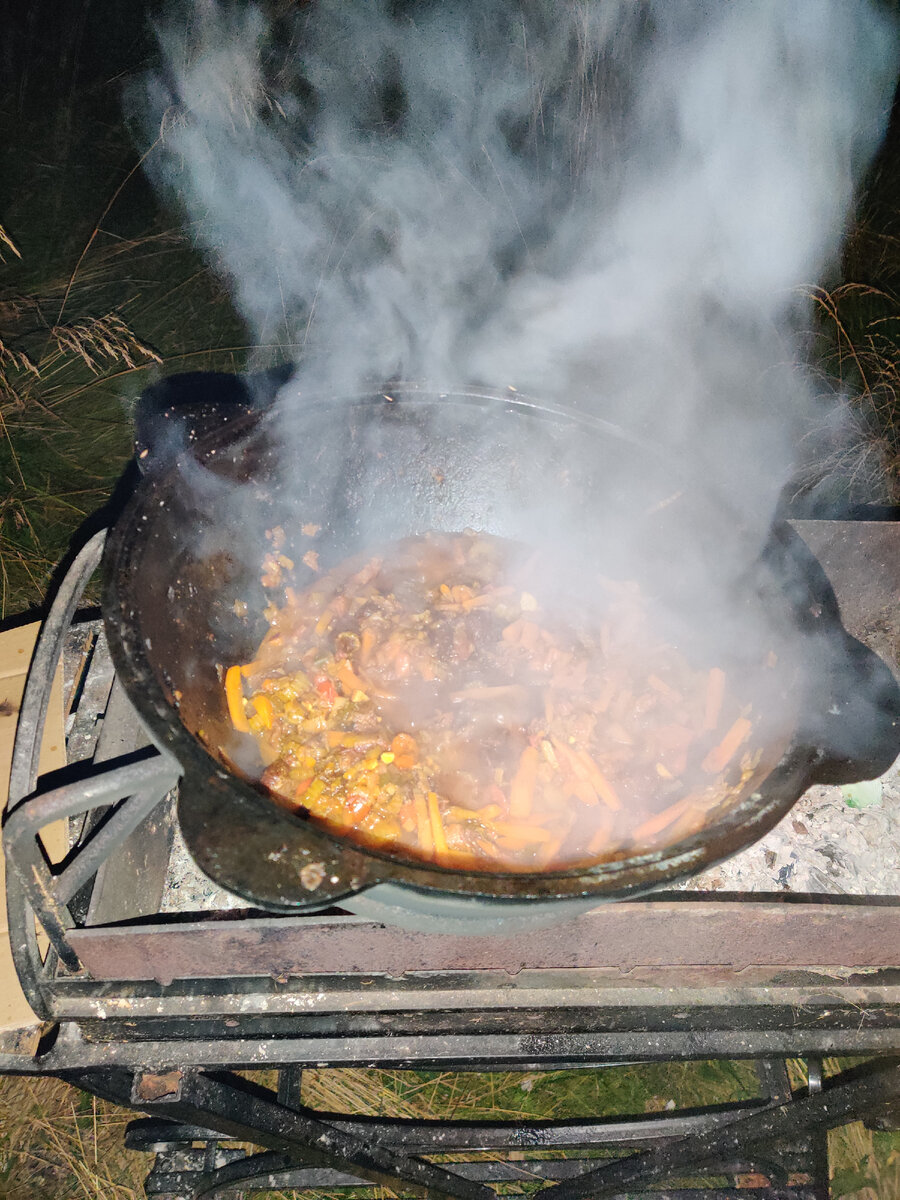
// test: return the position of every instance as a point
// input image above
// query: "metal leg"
(325, 1151)
(773, 1079)
(231, 1106)
(849, 1095)
(814, 1074)
(289, 1083)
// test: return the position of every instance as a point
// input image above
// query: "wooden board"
(16, 648)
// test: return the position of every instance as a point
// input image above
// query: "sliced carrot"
(607, 694)
(691, 820)
(514, 832)
(487, 848)
(600, 783)
(568, 757)
(324, 621)
(660, 820)
(530, 635)
(602, 832)
(512, 633)
(715, 694)
(437, 825)
(720, 756)
(489, 812)
(479, 601)
(234, 695)
(264, 710)
(350, 681)
(423, 824)
(664, 689)
(521, 789)
(366, 644)
(549, 851)
(586, 793)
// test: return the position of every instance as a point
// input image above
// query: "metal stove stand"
(158, 1013)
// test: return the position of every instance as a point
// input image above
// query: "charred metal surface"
(495, 1051)
(159, 590)
(626, 937)
(760, 977)
(242, 1112)
(436, 1137)
(858, 1091)
(862, 562)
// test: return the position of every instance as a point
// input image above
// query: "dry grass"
(36, 344)
(859, 352)
(57, 1143)
(71, 362)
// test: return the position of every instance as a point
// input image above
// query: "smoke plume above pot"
(613, 205)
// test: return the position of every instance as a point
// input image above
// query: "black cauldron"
(223, 463)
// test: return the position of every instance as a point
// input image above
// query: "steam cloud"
(611, 205)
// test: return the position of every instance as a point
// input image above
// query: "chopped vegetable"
(234, 694)
(719, 758)
(715, 694)
(437, 825)
(429, 700)
(521, 791)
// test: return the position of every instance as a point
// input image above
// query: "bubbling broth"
(434, 700)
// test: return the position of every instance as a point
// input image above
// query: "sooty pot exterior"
(372, 469)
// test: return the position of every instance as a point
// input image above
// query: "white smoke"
(612, 205)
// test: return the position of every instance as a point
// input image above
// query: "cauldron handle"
(182, 409)
(853, 718)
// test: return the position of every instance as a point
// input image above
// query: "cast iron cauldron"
(224, 465)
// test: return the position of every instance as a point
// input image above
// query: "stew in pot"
(428, 700)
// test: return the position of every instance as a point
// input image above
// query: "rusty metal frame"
(129, 1015)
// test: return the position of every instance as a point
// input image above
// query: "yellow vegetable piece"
(234, 695)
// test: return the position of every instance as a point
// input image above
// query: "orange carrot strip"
(366, 644)
(437, 825)
(324, 621)
(692, 820)
(601, 835)
(350, 681)
(586, 793)
(715, 694)
(548, 852)
(664, 689)
(660, 820)
(526, 834)
(488, 812)
(234, 694)
(423, 824)
(521, 790)
(720, 756)
(600, 783)
(568, 757)
(487, 848)
(478, 601)
(264, 710)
